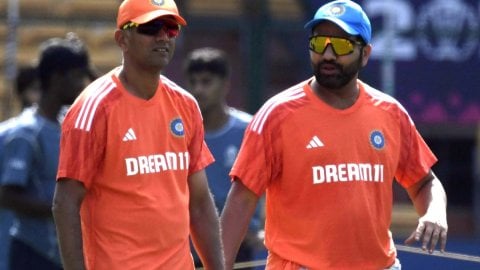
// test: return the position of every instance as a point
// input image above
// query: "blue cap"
(348, 15)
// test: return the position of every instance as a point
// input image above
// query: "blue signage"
(431, 48)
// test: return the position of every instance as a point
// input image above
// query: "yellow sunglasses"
(341, 46)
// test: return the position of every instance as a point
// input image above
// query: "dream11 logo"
(440, 30)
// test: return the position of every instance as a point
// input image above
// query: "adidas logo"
(315, 143)
(130, 135)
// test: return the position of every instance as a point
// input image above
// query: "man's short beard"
(347, 73)
(335, 81)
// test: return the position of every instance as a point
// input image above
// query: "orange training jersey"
(134, 157)
(328, 175)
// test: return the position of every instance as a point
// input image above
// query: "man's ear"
(367, 50)
(226, 86)
(121, 38)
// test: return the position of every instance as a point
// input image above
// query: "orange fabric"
(134, 157)
(328, 175)
(142, 11)
(274, 262)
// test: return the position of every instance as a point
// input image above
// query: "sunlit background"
(426, 53)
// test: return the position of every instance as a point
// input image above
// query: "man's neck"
(341, 98)
(49, 109)
(142, 85)
(215, 118)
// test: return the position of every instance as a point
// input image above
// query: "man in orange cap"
(131, 186)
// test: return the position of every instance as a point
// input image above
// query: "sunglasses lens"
(154, 27)
(148, 30)
(318, 44)
(173, 32)
(341, 46)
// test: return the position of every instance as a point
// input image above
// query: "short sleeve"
(18, 159)
(200, 155)
(81, 151)
(416, 158)
(254, 166)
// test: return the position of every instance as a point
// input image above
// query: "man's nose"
(162, 34)
(329, 53)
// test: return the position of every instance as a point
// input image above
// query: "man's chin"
(331, 83)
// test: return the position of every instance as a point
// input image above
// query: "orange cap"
(142, 11)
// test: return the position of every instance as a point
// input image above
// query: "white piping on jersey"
(380, 97)
(90, 105)
(260, 118)
(172, 85)
(179, 89)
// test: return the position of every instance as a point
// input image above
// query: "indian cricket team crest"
(158, 2)
(177, 128)
(377, 140)
(337, 10)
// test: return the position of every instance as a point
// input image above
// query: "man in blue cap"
(329, 186)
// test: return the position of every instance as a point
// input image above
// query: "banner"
(428, 52)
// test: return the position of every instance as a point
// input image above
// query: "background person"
(207, 73)
(27, 86)
(28, 92)
(30, 156)
(326, 151)
(131, 185)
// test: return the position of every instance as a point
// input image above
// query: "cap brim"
(157, 14)
(338, 22)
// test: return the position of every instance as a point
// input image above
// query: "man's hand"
(429, 231)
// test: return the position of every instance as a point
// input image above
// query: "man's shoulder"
(381, 99)
(98, 89)
(239, 115)
(279, 106)
(26, 115)
(25, 129)
(93, 99)
(175, 88)
(287, 96)
(6, 125)
(376, 94)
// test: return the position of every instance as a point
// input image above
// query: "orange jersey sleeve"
(134, 157)
(328, 175)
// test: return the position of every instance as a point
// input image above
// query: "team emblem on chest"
(377, 140)
(177, 128)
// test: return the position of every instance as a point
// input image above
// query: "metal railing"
(416, 250)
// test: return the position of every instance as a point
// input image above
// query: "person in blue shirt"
(207, 74)
(28, 92)
(30, 155)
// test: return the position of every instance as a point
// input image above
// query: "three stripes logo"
(315, 142)
(130, 135)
